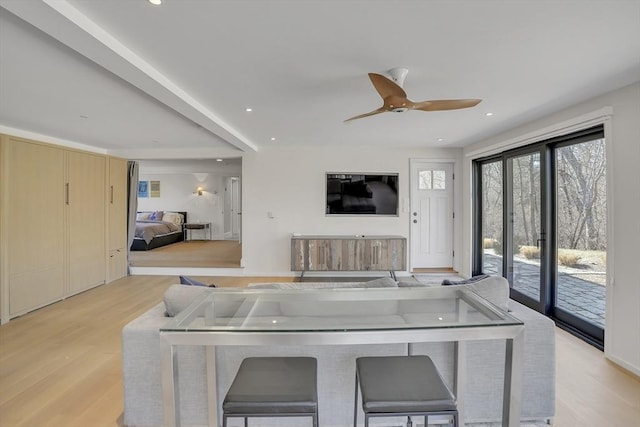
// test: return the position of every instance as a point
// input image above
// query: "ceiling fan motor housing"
(398, 75)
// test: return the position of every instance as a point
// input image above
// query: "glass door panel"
(492, 217)
(525, 234)
(581, 239)
(554, 223)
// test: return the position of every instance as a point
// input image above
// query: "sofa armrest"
(141, 367)
(539, 358)
(142, 376)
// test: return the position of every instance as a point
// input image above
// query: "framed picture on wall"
(143, 188)
(154, 188)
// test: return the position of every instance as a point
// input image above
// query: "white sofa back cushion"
(178, 297)
(494, 289)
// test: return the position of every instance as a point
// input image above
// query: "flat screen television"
(362, 194)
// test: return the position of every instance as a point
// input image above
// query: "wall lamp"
(199, 191)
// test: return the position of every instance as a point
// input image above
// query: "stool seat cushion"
(273, 385)
(399, 384)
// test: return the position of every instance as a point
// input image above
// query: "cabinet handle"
(66, 193)
(111, 194)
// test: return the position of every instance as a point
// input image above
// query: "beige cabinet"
(85, 201)
(348, 253)
(33, 216)
(117, 218)
(53, 223)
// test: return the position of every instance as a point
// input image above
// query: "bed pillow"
(156, 216)
(184, 280)
(143, 216)
(173, 217)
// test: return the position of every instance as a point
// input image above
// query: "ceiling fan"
(395, 98)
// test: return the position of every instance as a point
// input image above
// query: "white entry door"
(431, 214)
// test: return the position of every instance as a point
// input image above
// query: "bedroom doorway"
(199, 188)
(232, 209)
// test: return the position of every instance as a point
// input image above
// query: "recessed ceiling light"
(488, 114)
(248, 109)
(273, 138)
(218, 160)
(440, 139)
(155, 2)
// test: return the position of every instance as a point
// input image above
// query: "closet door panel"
(35, 207)
(117, 202)
(86, 221)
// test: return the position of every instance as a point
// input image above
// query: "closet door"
(34, 205)
(86, 177)
(117, 233)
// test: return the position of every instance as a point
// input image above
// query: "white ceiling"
(178, 77)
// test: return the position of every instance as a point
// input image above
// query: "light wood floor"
(61, 365)
(191, 253)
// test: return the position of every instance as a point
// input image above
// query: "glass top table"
(252, 316)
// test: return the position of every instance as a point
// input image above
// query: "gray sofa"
(336, 364)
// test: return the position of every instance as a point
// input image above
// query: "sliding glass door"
(540, 221)
(581, 234)
(524, 226)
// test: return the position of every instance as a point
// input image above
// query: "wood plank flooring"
(191, 253)
(61, 365)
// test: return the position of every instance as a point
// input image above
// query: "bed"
(158, 228)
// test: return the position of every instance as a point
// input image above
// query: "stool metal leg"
(355, 405)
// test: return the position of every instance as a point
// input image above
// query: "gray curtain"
(132, 193)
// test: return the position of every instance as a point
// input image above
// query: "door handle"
(538, 242)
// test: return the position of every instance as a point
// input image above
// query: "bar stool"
(402, 386)
(273, 387)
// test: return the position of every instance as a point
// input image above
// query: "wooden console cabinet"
(348, 253)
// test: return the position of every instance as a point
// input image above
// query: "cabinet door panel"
(117, 221)
(117, 202)
(87, 252)
(35, 206)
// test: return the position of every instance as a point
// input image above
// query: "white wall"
(178, 182)
(289, 182)
(622, 336)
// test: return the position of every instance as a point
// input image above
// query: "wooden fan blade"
(445, 104)
(386, 87)
(371, 113)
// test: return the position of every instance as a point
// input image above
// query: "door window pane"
(424, 180)
(524, 214)
(439, 178)
(492, 205)
(432, 180)
(581, 190)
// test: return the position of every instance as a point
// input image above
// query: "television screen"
(362, 194)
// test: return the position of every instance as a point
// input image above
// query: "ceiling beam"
(63, 22)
